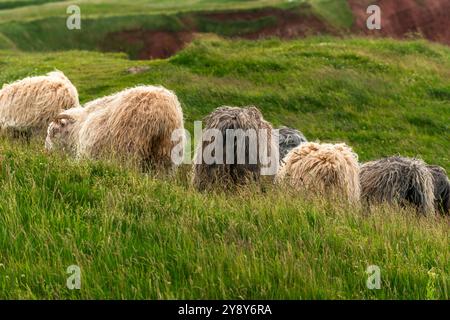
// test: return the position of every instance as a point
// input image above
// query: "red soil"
(401, 18)
(152, 44)
(162, 44)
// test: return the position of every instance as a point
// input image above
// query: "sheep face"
(59, 133)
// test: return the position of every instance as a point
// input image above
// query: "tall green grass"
(137, 236)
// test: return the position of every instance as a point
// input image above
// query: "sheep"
(322, 169)
(28, 106)
(136, 123)
(398, 180)
(289, 139)
(441, 189)
(228, 174)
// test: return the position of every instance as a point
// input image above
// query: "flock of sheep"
(138, 123)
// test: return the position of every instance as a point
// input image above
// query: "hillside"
(138, 236)
(156, 30)
(159, 29)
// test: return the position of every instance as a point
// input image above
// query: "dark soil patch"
(402, 18)
(270, 22)
(148, 44)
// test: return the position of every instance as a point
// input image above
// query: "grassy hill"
(27, 10)
(42, 27)
(137, 236)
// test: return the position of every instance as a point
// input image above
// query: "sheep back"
(137, 122)
(32, 103)
(398, 180)
(441, 189)
(322, 169)
(229, 175)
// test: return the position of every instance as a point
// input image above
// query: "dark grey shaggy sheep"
(441, 189)
(225, 175)
(400, 180)
(289, 139)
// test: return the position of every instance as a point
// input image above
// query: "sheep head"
(59, 133)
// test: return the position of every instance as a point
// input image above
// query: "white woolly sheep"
(135, 123)
(322, 169)
(29, 105)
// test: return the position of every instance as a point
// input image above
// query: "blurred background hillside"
(159, 28)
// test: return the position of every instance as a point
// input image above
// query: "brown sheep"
(230, 173)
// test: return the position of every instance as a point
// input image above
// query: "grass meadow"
(139, 236)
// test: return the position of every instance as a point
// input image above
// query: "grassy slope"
(50, 33)
(13, 4)
(96, 8)
(139, 237)
(42, 27)
(336, 12)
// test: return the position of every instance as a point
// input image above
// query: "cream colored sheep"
(134, 124)
(323, 169)
(30, 104)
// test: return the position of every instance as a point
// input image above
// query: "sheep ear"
(63, 119)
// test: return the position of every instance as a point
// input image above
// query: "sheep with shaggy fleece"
(135, 124)
(322, 169)
(228, 172)
(289, 138)
(398, 180)
(441, 189)
(30, 104)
